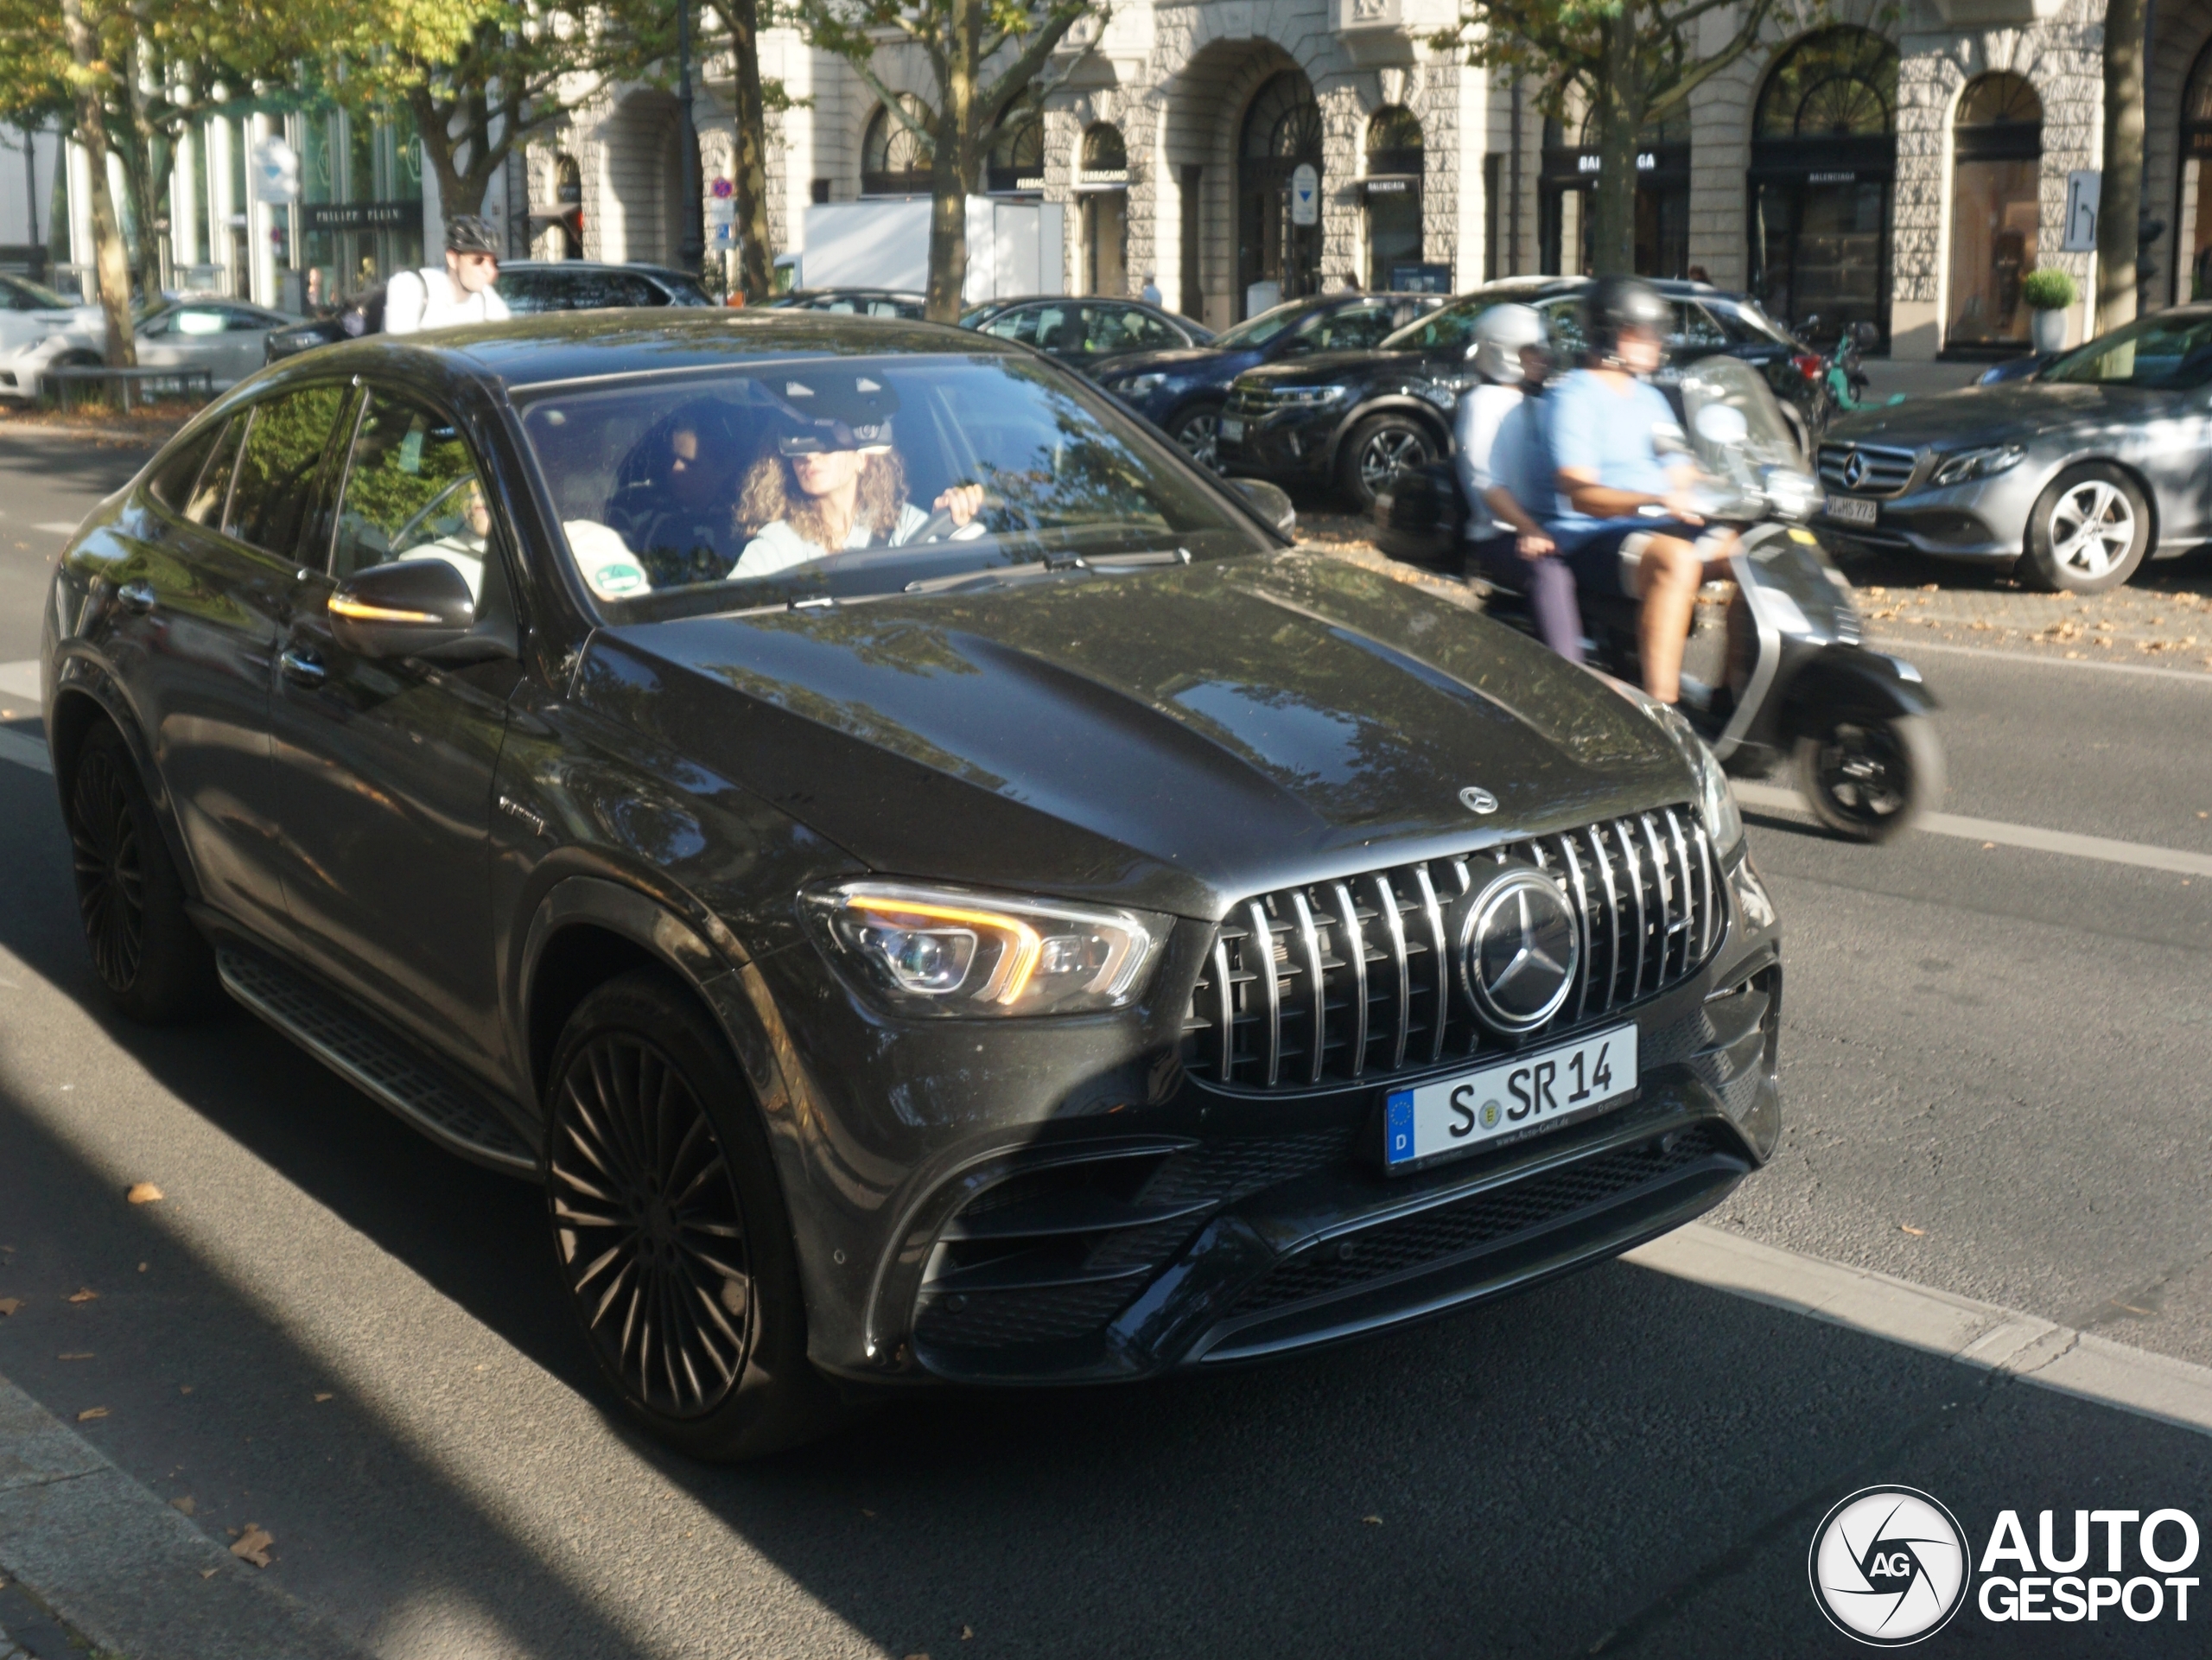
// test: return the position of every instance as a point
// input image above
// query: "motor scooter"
(1778, 650)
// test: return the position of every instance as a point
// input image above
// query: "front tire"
(1378, 449)
(154, 962)
(1197, 432)
(1870, 780)
(2088, 532)
(669, 1230)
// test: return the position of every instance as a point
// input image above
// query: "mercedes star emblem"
(1854, 470)
(1478, 800)
(1519, 945)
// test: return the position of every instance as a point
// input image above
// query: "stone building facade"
(1905, 164)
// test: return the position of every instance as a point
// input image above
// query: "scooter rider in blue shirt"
(1626, 522)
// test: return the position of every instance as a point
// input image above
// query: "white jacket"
(430, 298)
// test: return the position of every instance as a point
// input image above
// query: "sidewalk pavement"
(1887, 377)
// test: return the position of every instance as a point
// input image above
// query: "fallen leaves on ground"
(142, 1193)
(9, 1305)
(209, 1572)
(1375, 1521)
(320, 1398)
(252, 1545)
(1907, 1227)
(184, 1505)
(75, 1354)
(84, 1294)
(91, 1413)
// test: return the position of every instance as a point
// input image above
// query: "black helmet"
(1614, 303)
(470, 233)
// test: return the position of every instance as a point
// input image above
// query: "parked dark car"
(1352, 419)
(532, 286)
(1106, 941)
(1181, 389)
(2070, 479)
(853, 303)
(2024, 368)
(1083, 332)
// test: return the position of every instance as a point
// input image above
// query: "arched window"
(1996, 209)
(1277, 258)
(1016, 161)
(1824, 153)
(1392, 189)
(893, 160)
(1104, 153)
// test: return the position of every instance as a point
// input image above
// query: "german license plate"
(1534, 1091)
(1232, 428)
(1851, 510)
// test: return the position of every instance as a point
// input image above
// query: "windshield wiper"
(1051, 565)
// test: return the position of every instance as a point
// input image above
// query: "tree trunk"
(459, 192)
(109, 254)
(1612, 199)
(2120, 207)
(952, 169)
(755, 276)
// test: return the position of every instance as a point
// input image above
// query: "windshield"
(1453, 326)
(1733, 422)
(39, 294)
(1258, 330)
(771, 482)
(2171, 352)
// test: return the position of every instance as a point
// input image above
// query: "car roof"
(564, 346)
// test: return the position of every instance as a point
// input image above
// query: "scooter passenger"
(1625, 519)
(1504, 469)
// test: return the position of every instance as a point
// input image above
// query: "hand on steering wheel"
(956, 512)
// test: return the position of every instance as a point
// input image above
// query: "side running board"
(359, 1052)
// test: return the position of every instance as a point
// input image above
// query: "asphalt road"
(1995, 1062)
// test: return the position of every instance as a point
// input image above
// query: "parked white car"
(37, 325)
(225, 337)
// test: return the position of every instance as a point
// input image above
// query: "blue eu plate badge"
(1398, 1136)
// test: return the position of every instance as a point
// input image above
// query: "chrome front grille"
(1339, 980)
(1882, 472)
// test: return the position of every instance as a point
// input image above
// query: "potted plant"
(2048, 292)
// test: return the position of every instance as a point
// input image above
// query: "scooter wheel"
(1869, 780)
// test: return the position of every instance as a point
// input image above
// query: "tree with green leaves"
(1631, 64)
(991, 60)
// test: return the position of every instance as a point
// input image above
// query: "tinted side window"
(525, 292)
(1122, 328)
(410, 491)
(173, 477)
(1695, 327)
(1563, 324)
(1020, 325)
(1352, 328)
(284, 446)
(627, 289)
(214, 487)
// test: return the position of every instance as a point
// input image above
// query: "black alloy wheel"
(149, 956)
(1379, 449)
(669, 1228)
(1199, 433)
(1869, 780)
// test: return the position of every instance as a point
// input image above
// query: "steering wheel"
(941, 526)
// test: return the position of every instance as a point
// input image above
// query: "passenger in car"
(834, 479)
(463, 546)
(674, 507)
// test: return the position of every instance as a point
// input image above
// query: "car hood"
(2009, 412)
(1328, 368)
(1179, 359)
(1175, 740)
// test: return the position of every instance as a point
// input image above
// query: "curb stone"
(121, 1568)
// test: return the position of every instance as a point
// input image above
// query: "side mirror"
(408, 609)
(1270, 501)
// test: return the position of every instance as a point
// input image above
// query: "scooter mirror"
(1722, 425)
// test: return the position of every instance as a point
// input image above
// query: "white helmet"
(1500, 335)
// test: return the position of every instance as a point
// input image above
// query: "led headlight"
(921, 949)
(1307, 398)
(1971, 464)
(1716, 802)
(1137, 385)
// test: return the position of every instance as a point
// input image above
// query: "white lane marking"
(2079, 1363)
(2015, 836)
(1908, 648)
(20, 679)
(25, 752)
(57, 526)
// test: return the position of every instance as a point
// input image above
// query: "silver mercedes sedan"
(2071, 478)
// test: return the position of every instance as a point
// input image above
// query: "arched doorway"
(1996, 210)
(893, 162)
(1277, 258)
(642, 201)
(1824, 146)
(1102, 183)
(1392, 189)
(2194, 280)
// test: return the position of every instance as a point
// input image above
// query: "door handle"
(301, 668)
(136, 596)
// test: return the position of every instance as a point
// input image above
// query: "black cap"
(831, 409)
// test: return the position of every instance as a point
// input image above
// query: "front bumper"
(1047, 1207)
(1286, 446)
(1984, 521)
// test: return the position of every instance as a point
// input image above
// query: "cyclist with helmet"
(461, 293)
(1504, 467)
(1626, 522)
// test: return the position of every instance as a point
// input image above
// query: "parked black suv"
(1351, 419)
(1075, 936)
